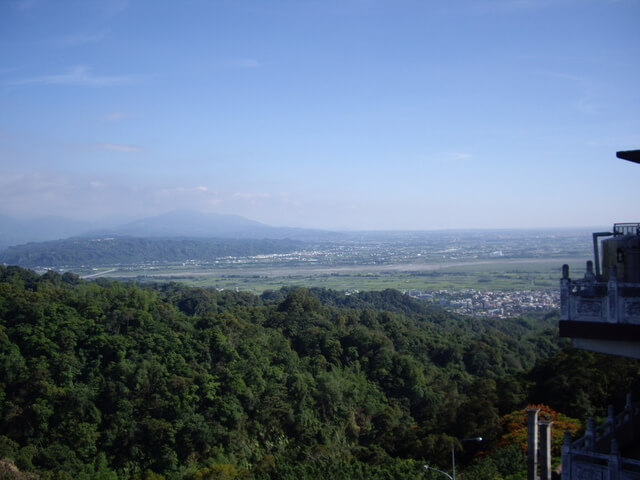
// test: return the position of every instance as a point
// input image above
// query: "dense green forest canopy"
(132, 250)
(111, 380)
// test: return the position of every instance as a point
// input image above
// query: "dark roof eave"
(599, 330)
(631, 155)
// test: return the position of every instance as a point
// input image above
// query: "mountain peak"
(189, 223)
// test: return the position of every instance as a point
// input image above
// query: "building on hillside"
(601, 313)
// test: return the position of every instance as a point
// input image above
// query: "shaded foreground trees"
(112, 380)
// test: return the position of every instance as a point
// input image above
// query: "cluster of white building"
(495, 303)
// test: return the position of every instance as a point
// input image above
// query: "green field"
(521, 274)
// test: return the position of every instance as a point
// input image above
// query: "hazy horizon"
(338, 115)
(115, 222)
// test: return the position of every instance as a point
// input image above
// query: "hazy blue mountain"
(183, 224)
(14, 231)
(210, 225)
(190, 224)
(170, 237)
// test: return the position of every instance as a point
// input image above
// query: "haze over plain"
(356, 114)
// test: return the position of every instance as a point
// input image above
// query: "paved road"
(99, 274)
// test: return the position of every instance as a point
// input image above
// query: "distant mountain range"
(184, 224)
(210, 225)
(76, 252)
(15, 231)
(170, 237)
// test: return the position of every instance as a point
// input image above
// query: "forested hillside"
(109, 380)
(130, 250)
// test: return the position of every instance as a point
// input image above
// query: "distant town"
(500, 304)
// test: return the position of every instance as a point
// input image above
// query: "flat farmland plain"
(407, 261)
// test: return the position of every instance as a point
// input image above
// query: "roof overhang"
(631, 155)
(600, 330)
(621, 339)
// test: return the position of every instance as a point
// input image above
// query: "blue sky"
(358, 114)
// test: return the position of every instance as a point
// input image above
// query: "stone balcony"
(606, 452)
(600, 315)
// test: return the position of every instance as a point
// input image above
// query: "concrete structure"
(538, 446)
(545, 450)
(532, 443)
(601, 312)
(604, 453)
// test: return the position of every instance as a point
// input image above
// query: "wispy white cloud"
(114, 196)
(519, 4)
(80, 76)
(28, 4)
(114, 7)
(585, 103)
(8, 70)
(120, 147)
(247, 63)
(114, 116)
(83, 38)
(251, 195)
(189, 197)
(564, 76)
(485, 7)
(189, 189)
(40, 192)
(459, 156)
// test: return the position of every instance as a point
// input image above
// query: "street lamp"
(453, 452)
(453, 458)
(427, 467)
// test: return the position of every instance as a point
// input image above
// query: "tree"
(514, 427)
